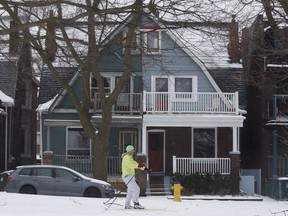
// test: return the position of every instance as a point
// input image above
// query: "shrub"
(207, 184)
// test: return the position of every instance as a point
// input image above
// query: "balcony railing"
(176, 102)
(128, 103)
(173, 102)
(201, 165)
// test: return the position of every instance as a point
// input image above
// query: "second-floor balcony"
(174, 103)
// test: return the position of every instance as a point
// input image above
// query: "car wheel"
(28, 190)
(92, 192)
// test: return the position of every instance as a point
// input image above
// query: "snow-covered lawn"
(38, 205)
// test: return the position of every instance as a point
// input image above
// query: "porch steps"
(158, 186)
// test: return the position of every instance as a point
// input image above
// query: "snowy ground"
(38, 205)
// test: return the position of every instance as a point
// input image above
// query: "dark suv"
(55, 180)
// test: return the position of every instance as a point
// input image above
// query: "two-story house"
(182, 107)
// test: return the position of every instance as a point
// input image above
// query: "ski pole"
(114, 198)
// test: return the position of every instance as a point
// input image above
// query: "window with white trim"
(127, 138)
(135, 43)
(78, 143)
(95, 87)
(184, 84)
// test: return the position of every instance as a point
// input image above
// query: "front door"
(156, 157)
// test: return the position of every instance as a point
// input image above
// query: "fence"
(201, 165)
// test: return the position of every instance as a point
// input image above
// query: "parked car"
(55, 180)
(3, 179)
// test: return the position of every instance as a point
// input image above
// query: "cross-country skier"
(128, 175)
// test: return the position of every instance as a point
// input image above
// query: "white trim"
(193, 120)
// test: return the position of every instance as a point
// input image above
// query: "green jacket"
(129, 165)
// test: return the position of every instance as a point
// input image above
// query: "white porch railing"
(83, 164)
(173, 102)
(182, 102)
(201, 165)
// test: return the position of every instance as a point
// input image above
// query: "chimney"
(14, 36)
(50, 42)
(233, 47)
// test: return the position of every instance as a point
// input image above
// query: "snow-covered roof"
(209, 44)
(6, 100)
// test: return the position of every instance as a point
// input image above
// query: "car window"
(64, 174)
(42, 172)
(25, 172)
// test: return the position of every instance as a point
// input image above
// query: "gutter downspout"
(6, 139)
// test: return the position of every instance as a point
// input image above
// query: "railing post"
(174, 164)
(236, 101)
(144, 101)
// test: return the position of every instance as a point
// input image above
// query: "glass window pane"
(161, 85)
(78, 142)
(64, 174)
(47, 172)
(153, 41)
(183, 84)
(204, 143)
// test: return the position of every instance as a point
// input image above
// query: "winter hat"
(129, 148)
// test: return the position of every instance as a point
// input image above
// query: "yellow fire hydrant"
(177, 191)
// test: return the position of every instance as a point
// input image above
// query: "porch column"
(235, 171)
(141, 176)
(48, 139)
(48, 158)
(144, 139)
(235, 148)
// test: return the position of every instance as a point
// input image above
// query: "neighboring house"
(185, 99)
(18, 95)
(265, 64)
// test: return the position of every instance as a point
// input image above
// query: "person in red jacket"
(128, 175)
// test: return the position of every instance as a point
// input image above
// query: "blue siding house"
(182, 108)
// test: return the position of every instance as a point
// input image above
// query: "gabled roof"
(205, 51)
(49, 87)
(231, 81)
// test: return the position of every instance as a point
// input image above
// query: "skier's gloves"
(140, 165)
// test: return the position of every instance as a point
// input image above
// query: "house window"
(123, 100)
(127, 138)
(95, 87)
(78, 143)
(175, 84)
(25, 141)
(185, 86)
(152, 41)
(161, 84)
(204, 143)
(26, 95)
(135, 43)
